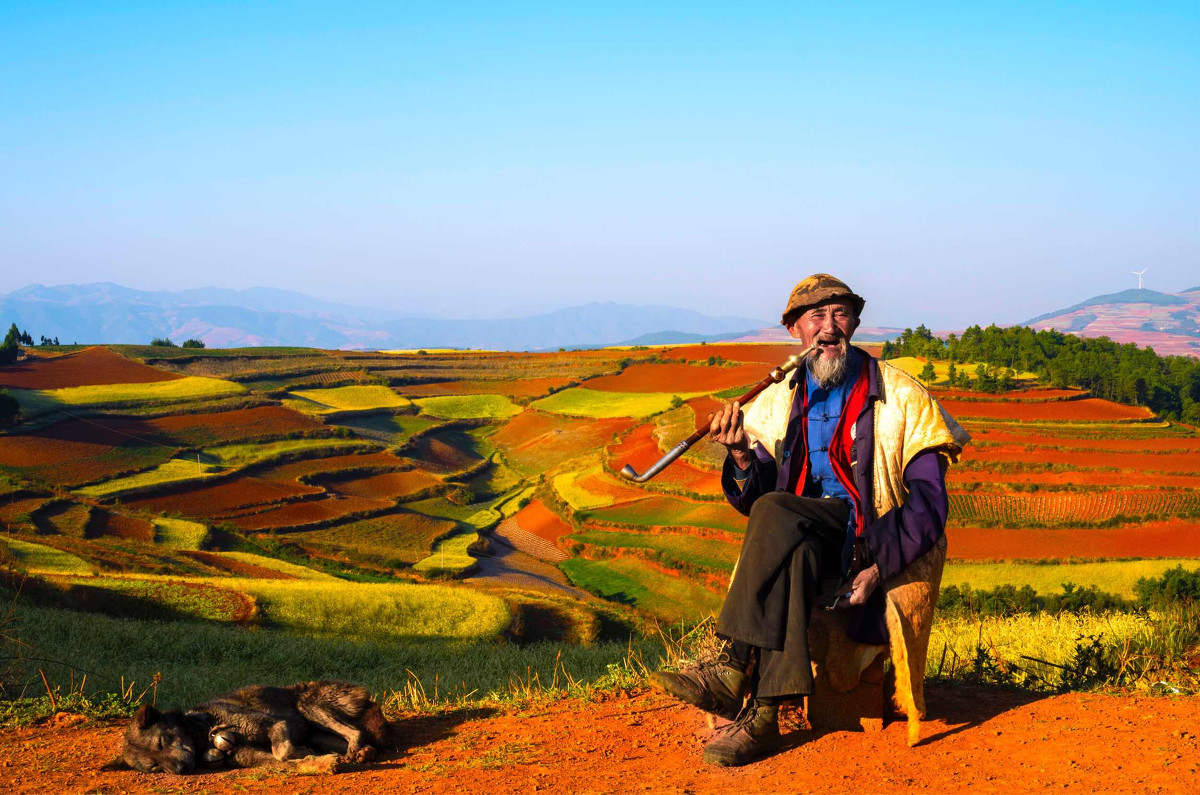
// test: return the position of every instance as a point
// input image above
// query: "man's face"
(829, 325)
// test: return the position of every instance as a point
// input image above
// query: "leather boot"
(753, 735)
(715, 686)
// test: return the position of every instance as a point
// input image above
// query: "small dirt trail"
(978, 740)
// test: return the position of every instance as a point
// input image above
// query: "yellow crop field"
(237, 455)
(369, 397)
(584, 402)
(274, 564)
(450, 407)
(913, 365)
(177, 470)
(450, 556)
(579, 498)
(1113, 576)
(179, 533)
(194, 387)
(41, 559)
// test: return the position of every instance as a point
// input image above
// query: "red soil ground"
(1172, 538)
(104, 523)
(222, 498)
(1093, 409)
(607, 486)
(1180, 443)
(1134, 463)
(640, 450)
(536, 518)
(88, 367)
(769, 355)
(537, 441)
(234, 426)
(676, 378)
(390, 485)
(524, 387)
(287, 473)
(1075, 477)
(14, 504)
(298, 514)
(71, 440)
(440, 455)
(977, 741)
(1034, 395)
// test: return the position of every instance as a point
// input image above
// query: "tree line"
(1168, 385)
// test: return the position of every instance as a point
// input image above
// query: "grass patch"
(580, 499)
(37, 401)
(1114, 576)
(391, 429)
(671, 512)
(707, 553)
(177, 470)
(39, 558)
(450, 557)
(369, 397)
(275, 564)
(246, 453)
(583, 402)
(179, 533)
(637, 583)
(468, 406)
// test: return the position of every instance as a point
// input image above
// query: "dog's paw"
(366, 753)
(327, 763)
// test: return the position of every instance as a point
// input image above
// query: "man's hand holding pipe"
(725, 426)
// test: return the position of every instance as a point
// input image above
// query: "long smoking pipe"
(774, 377)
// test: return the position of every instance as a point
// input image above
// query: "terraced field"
(303, 462)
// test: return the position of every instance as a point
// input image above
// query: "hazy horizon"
(955, 165)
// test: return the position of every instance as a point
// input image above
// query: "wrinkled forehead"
(837, 306)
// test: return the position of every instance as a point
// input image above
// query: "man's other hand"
(864, 583)
(725, 426)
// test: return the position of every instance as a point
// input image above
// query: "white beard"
(830, 372)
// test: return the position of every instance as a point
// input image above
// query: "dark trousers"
(791, 543)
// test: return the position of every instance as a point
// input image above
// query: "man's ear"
(116, 763)
(145, 716)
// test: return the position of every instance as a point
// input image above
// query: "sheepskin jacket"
(901, 443)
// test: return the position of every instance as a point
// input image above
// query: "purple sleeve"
(907, 532)
(760, 479)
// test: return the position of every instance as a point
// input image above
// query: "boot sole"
(666, 685)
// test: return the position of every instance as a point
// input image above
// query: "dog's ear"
(116, 763)
(145, 716)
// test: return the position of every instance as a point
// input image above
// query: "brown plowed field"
(1182, 444)
(298, 514)
(542, 522)
(538, 442)
(440, 455)
(1015, 395)
(234, 426)
(224, 497)
(287, 473)
(390, 485)
(1093, 409)
(1074, 477)
(676, 378)
(975, 741)
(769, 355)
(1172, 538)
(104, 523)
(1178, 462)
(517, 387)
(88, 367)
(640, 450)
(237, 568)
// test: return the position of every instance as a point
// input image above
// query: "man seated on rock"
(841, 469)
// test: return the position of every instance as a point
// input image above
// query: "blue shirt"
(824, 412)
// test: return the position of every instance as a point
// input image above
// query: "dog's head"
(157, 742)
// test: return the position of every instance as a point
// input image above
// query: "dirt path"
(984, 741)
(506, 566)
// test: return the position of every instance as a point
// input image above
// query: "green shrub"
(1175, 586)
(193, 343)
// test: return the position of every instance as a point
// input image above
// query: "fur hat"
(817, 289)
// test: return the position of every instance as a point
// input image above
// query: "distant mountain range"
(109, 313)
(1167, 322)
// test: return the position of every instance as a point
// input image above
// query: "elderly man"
(841, 469)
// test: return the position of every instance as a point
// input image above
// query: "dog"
(236, 730)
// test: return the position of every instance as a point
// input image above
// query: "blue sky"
(954, 163)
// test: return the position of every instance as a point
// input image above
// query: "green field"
(580, 499)
(246, 453)
(37, 401)
(671, 512)
(370, 397)
(394, 539)
(707, 553)
(391, 429)
(282, 566)
(450, 557)
(637, 583)
(583, 402)
(177, 470)
(36, 558)
(179, 533)
(1113, 576)
(451, 407)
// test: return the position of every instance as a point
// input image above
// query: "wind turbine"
(1139, 275)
